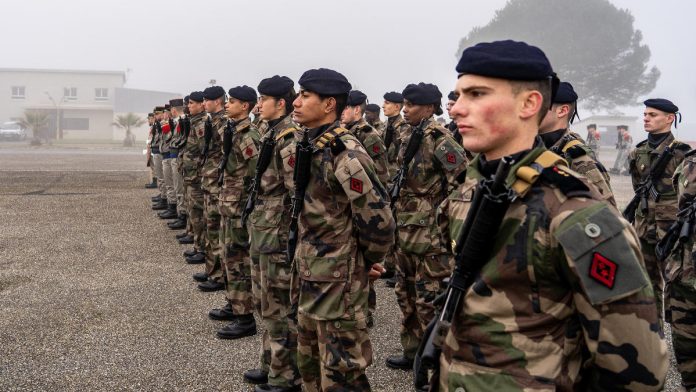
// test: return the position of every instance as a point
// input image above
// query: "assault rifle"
(679, 233)
(401, 176)
(389, 135)
(262, 164)
(207, 138)
(228, 134)
(647, 187)
(301, 175)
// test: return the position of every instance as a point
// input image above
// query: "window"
(101, 94)
(70, 93)
(18, 92)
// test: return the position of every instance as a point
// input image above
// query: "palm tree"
(35, 120)
(128, 121)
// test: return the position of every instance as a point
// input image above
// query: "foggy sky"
(380, 45)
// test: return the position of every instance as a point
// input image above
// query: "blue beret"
(213, 92)
(662, 104)
(196, 96)
(565, 93)
(422, 94)
(243, 93)
(276, 86)
(452, 96)
(186, 100)
(393, 96)
(176, 102)
(509, 59)
(372, 108)
(325, 82)
(355, 98)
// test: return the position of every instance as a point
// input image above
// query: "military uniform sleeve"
(633, 169)
(451, 157)
(249, 147)
(372, 217)
(601, 260)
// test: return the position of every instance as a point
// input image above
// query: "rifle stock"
(301, 175)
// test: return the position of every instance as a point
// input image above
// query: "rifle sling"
(526, 176)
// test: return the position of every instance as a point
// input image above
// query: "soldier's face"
(655, 121)
(450, 103)
(311, 111)
(371, 116)
(195, 107)
(490, 117)
(414, 114)
(391, 109)
(350, 114)
(235, 108)
(270, 108)
(210, 105)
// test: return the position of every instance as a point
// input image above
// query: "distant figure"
(593, 138)
(623, 145)
(372, 118)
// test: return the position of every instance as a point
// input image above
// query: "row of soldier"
(514, 267)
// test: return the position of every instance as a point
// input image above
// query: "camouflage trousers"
(178, 186)
(680, 301)
(271, 286)
(333, 355)
(213, 248)
(236, 266)
(168, 170)
(157, 167)
(195, 209)
(419, 282)
(656, 272)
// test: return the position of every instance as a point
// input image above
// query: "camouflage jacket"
(154, 139)
(400, 130)
(345, 226)
(191, 156)
(563, 303)
(239, 171)
(653, 224)
(379, 126)
(374, 146)
(431, 176)
(165, 139)
(681, 267)
(270, 220)
(582, 159)
(209, 170)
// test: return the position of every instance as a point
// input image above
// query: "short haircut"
(289, 98)
(542, 86)
(341, 102)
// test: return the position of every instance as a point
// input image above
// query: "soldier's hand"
(376, 270)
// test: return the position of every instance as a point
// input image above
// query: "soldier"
(623, 144)
(186, 237)
(214, 125)
(177, 111)
(168, 162)
(161, 199)
(658, 207)
(345, 229)
(153, 178)
(593, 138)
(435, 160)
(559, 299)
(680, 288)
(240, 153)
(558, 138)
(452, 126)
(372, 118)
(268, 212)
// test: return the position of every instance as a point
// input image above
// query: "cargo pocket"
(414, 232)
(265, 229)
(468, 377)
(323, 286)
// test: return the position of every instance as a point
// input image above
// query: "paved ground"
(94, 293)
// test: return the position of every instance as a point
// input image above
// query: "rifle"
(401, 176)
(227, 136)
(389, 135)
(300, 175)
(185, 130)
(679, 232)
(647, 187)
(265, 157)
(472, 250)
(207, 137)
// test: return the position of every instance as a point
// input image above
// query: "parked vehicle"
(11, 130)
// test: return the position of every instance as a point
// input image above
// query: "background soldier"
(547, 307)
(435, 160)
(161, 199)
(658, 200)
(558, 138)
(153, 178)
(345, 229)
(452, 126)
(168, 162)
(593, 137)
(623, 145)
(177, 111)
(372, 118)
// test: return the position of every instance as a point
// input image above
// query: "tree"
(590, 43)
(128, 121)
(36, 120)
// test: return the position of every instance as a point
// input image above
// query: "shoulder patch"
(352, 176)
(451, 156)
(564, 179)
(248, 147)
(576, 152)
(606, 265)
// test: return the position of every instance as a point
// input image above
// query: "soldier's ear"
(330, 105)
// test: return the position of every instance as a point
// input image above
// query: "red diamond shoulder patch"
(356, 185)
(375, 149)
(451, 158)
(603, 270)
(249, 151)
(291, 161)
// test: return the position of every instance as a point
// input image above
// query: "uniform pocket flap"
(413, 219)
(324, 269)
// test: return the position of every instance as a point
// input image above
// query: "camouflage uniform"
(157, 162)
(680, 288)
(167, 171)
(593, 140)
(374, 146)
(190, 160)
(234, 241)
(401, 131)
(379, 126)
(582, 159)
(211, 192)
(268, 230)
(652, 225)
(178, 179)
(421, 261)
(547, 312)
(345, 227)
(624, 146)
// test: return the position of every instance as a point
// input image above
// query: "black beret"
(151, 114)
(276, 86)
(372, 108)
(393, 96)
(452, 96)
(591, 126)
(176, 102)
(159, 109)
(565, 93)
(325, 82)
(622, 126)
(355, 98)
(197, 96)
(167, 107)
(243, 93)
(213, 92)
(662, 104)
(422, 94)
(508, 59)
(186, 100)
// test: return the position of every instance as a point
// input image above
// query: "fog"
(379, 45)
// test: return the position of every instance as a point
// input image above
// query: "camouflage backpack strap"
(526, 176)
